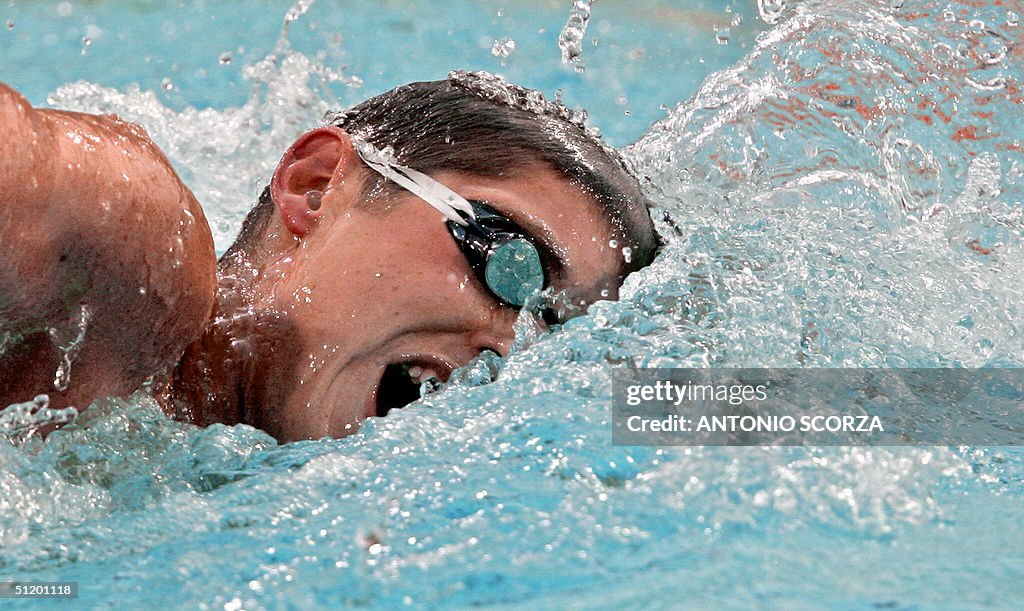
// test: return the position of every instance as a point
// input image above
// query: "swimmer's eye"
(502, 255)
(504, 258)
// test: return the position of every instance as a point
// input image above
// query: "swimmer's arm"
(91, 213)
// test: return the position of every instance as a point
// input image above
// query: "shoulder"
(99, 238)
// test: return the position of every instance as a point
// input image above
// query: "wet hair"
(479, 124)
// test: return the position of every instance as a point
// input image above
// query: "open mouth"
(403, 383)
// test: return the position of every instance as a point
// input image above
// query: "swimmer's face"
(371, 293)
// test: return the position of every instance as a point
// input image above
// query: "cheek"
(411, 263)
(383, 270)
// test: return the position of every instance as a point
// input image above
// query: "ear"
(316, 161)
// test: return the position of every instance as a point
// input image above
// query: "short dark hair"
(479, 124)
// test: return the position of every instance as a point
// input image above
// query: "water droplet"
(86, 41)
(948, 16)
(166, 84)
(571, 38)
(627, 254)
(501, 12)
(613, 243)
(298, 10)
(225, 57)
(503, 47)
(1012, 19)
(69, 347)
(722, 36)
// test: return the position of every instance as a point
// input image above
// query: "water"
(848, 193)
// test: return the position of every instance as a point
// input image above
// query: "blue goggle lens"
(513, 271)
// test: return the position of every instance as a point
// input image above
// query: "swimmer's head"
(364, 289)
(480, 124)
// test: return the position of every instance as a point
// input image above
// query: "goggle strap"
(444, 200)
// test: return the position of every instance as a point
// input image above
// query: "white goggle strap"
(444, 200)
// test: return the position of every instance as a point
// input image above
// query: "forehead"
(559, 215)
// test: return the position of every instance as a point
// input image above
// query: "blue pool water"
(844, 190)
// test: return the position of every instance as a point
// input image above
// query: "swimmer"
(392, 245)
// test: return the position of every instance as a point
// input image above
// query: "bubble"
(225, 58)
(10, 24)
(722, 36)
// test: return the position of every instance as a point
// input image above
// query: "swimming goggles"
(505, 260)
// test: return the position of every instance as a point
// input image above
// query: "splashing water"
(21, 421)
(69, 347)
(570, 40)
(225, 156)
(920, 167)
(847, 195)
(771, 10)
